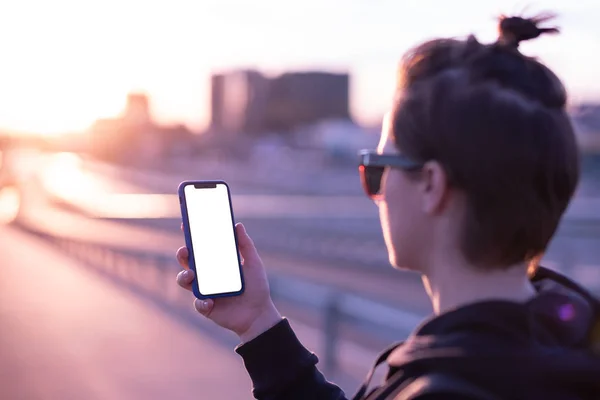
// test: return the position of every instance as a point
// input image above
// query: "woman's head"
(494, 157)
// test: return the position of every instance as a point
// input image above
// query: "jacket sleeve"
(280, 367)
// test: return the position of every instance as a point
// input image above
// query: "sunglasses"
(372, 166)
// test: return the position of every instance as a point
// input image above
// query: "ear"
(435, 187)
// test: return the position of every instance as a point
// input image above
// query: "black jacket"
(537, 350)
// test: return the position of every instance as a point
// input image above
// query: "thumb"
(204, 307)
(246, 245)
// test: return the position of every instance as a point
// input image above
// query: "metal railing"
(335, 307)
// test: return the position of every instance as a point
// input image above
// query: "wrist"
(265, 321)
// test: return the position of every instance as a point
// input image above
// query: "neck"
(451, 285)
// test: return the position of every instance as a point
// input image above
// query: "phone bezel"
(188, 237)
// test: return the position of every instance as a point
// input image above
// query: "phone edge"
(188, 239)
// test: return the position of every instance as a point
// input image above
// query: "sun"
(56, 106)
(56, 81)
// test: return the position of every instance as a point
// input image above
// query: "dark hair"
(497, 122)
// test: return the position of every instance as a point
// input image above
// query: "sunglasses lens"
(371, 179)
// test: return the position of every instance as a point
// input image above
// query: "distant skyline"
(68, 62)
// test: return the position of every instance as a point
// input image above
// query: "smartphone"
(209, 230)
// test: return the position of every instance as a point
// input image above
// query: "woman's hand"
(249, 314)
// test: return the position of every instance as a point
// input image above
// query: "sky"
(65, 63)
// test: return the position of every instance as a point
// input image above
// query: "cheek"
(391, 187)
(391, 200)
(400, 206)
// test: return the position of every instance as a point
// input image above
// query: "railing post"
(161, 285)
(332, 318)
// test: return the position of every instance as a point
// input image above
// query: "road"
(64, 334)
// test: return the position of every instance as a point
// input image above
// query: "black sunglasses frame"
(372, 166)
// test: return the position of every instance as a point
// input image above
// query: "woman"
(476, 165)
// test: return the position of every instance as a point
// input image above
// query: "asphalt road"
(65, 334)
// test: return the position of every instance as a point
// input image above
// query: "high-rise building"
(303, 98)
(247, 102)
(137, 110)
(238, 99)
(216, 102)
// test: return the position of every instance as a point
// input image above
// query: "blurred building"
(134, 138)
(137, 110)
(238, 101)
(246, 101)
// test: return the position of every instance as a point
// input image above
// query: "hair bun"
(513, 30)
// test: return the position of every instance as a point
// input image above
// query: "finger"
(246, 245)
(185, 279)
(182, 256)
(204, 307)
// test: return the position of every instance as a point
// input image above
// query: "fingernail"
(202, 305)
(186, 274)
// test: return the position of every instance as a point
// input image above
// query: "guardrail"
(336, 307)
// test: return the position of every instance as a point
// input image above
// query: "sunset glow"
(68, 62)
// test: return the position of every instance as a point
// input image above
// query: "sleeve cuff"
(275, 358)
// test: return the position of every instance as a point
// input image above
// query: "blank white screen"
(213, 240)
